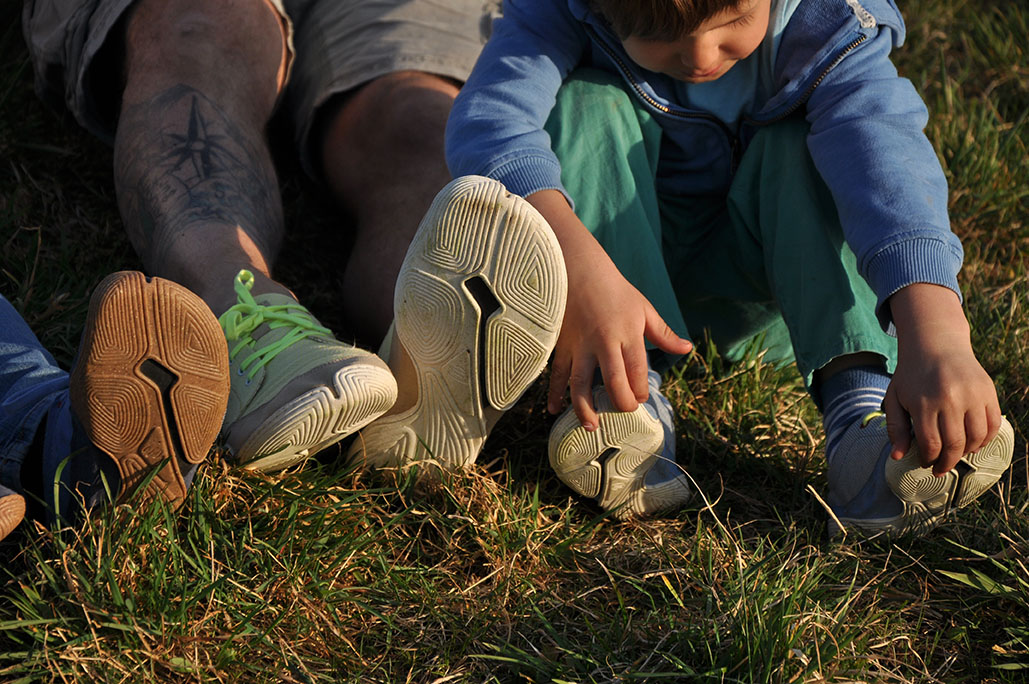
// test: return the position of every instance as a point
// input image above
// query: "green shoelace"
(240, 321)
(870, 416)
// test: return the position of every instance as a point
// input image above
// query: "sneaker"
(12, 510)
(296, 389)
(478, 307)
(872, 493)
(151, 382)
(627, 465)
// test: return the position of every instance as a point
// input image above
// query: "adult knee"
(401, 115)
(234, 50)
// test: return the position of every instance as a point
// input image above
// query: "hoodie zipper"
(811, 88)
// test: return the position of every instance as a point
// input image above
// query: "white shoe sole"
(479, 303)
(610, 464)
(321, 417)
(928, 499)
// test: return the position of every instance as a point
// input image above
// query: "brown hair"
(659, 19)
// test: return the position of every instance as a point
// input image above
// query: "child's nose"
(701, 55)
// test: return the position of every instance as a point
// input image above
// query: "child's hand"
(939, 389)
(606, 321)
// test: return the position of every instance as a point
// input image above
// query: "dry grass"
(501, 576)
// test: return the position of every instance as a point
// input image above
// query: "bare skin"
(385, 165)
(939, 390)
(606, 321)
(196, 183)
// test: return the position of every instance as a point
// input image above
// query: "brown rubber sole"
(151, 382)
(12, 511)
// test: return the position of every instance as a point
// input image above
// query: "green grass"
(501, 576)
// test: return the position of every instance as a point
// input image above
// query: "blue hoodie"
(829, 61)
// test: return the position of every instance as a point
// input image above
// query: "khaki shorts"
(334, 46)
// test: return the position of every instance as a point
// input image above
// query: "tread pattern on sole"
(12, 512)
(928, 499)
(610, 464)
(469, 370)
(126, 411)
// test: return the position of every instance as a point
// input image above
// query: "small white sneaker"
(872, 493)
(628, 463)
(478, 307)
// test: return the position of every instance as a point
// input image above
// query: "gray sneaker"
(871, 493)
(478, 308)
(628, 463)
(296, 389)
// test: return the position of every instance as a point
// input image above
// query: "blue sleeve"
(495, 128)
(867, 140)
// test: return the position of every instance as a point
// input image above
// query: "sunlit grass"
(502, 575)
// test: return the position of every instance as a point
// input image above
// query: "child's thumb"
(661, 334)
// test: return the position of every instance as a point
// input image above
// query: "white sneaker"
(872, 493)
(628, 463)
(478, 308)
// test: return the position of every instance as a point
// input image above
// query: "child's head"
(690, 40)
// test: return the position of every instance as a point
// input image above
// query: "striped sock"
(849, 396)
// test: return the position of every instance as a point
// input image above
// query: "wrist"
(929, 316)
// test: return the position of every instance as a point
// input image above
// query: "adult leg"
(385, 164)
(194, 176)
(200, 199)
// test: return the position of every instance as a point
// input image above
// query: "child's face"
(710, 51)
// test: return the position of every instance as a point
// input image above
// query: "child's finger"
(635, 360)
(560, 369)
(993, 418)
(952, 443)
(927, 434)
(977, 427)
(898, 425)
(580, 386)
(612, 368)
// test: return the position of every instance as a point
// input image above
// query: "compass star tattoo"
(182, 162)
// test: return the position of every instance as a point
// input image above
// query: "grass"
(501, 576)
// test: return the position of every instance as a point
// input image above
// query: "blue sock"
(848, 396)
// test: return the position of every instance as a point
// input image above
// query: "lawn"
(321, 575)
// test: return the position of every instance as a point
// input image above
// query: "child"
(148, 391)
(749, 167)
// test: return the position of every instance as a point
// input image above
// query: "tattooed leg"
(193, 174)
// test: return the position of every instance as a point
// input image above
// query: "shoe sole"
(479, 303)
(928, 499)
(12, 512)
(151, 382)
(321, 417)
(610, 464)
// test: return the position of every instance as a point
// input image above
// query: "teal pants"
(768, 263)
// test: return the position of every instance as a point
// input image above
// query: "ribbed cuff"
(526, 175)
(917, 260)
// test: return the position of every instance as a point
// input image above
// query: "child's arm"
(939, 388)
(606, 321)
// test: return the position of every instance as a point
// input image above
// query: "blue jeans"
(34, 389)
